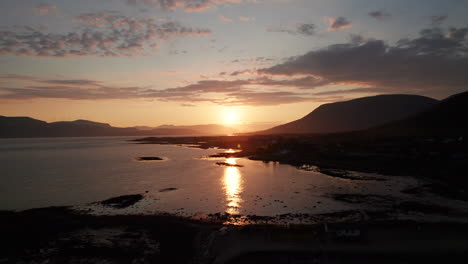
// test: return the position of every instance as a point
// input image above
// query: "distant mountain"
(28, 127)
(357, 114)
(447, 118)
(21, 126)
(80, 123)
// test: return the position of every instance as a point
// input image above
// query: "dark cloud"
(361, 90)
(241, 72)
(187, 5)
(254, 60)
(437, 20)
(306, 29)
(357, 39)
(458, 33)
(101, 34)
(338, 23)
(300, 29)
(380, 15)
(434, 62)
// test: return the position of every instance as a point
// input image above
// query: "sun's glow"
(231, 116)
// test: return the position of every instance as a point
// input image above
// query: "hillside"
(357, 114)
(448, 118)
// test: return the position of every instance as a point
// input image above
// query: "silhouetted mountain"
(447, 118)
(357, 114)
(143, 127)
(81, 123)
(29, 127)
(21, 126)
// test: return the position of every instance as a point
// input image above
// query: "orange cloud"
(225, 19)
(338, 23)
(44, 9)
(242, 18)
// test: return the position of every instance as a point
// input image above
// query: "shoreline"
(59, 234)
(441, 160)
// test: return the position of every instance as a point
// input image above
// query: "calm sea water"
(77, 171)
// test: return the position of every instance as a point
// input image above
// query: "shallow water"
(77, 171)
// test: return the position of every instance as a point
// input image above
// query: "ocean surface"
(46, 172)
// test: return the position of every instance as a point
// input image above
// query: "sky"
(251, 63)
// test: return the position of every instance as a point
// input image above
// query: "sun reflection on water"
(233, 187)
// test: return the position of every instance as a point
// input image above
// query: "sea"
(44, 172)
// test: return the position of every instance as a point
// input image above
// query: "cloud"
(246, 19)
(264, 98)
(225, 19)
(187, 5)
(458, 33)
(360, 90)
(306, 29)
(80, 82)
(100, 34)
(338, 23)
(224, 92)
(308, 82)
(438, 19)
(435, 62)
(380, 15)
(45, 9)
(207, 86)
(299, 29)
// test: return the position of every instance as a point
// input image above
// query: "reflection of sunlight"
(231, 161)
(233, 187)
(230, 151)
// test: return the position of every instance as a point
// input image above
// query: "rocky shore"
(64, 235)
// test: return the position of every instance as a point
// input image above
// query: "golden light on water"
(233, 187)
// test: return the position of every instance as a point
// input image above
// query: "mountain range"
(381, 115)
(29, 127)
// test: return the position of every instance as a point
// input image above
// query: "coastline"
(70, 235)
(60, 234)
(441, 160)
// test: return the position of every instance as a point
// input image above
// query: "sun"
(231, 118)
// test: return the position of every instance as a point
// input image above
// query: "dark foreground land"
(61, 235)
(442, 159)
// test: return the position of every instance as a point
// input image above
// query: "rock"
(122, 201)
(168, 189)
(228, 164)
(149, 158)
